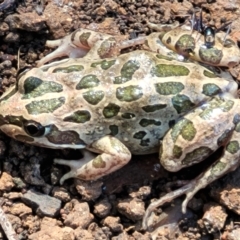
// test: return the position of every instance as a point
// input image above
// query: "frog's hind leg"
(227, 163)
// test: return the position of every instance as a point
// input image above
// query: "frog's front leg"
(112, 156)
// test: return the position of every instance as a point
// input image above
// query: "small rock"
(2, 143)
(227, 191)
(123, 236)
(3, 28)
(89, 190)
(14, 220)
(102, 208)
(6, 182)
(20, 209)
(61, 193)
(51, 231)
(19, 184)
(167, 223)
(131, 208)
(142, 193)
(214, 217)
(25, 21)
(32, 223)
(113, 223)
(234, 234)
(59, 28)
(80, 215)
(97, 232)
(12, 37)
(146, 236)
(12, 195)
(32, 174)
(80, 233)
(44, 204)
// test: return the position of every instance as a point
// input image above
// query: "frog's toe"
(73, 164)
(187, 189)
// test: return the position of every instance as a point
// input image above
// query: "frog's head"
(31, 112)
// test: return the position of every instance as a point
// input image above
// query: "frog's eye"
(34, 129)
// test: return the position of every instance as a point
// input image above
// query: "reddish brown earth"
(113, 207)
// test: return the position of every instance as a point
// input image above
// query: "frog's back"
(135, 97)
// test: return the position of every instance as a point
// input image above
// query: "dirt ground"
(113, 207)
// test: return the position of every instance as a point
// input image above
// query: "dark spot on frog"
(139, 135)
(111, 110)
(64, 137)
(171, 123)
(146, 122)
(83, 38)
(88, 81)
(113, 130)
(225, 137)
(232, 147)
(169, 40)
(145, 142)
(80, 116)
(182, 103)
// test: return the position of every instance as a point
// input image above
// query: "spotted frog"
(112, 105)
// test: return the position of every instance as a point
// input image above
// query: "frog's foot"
(65, 48)
(113, 155)
(75, 45)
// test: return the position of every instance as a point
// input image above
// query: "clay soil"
(113, 207)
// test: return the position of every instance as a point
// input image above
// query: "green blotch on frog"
(83, 38)
(184, 128)
(104, 64)
(98, 162)
(69, 69)
(154, 107)
(168, 70)
(88, 81)
(211, 89)
(218, 167)
(146, 122)
(80, 116)
(168, 88)
(224, 138)
(209, 74)
(197, 155)
(185, 44)
(129, 94)
(111, 110)
(139, 135)
(45, 106)
(232, 147)
(177, 151)
(113, 130)
(182, 103)
(35, 87)
(93, 97)
(128, 115)
(127, 71)
(210, 55)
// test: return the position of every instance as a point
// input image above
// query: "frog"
(110, 105)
